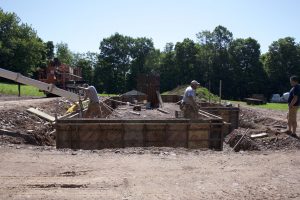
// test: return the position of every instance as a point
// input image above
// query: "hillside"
(201, 93)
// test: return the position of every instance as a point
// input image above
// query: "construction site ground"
(126, 112)
(32, 168)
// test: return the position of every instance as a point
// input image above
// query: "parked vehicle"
(276, 98)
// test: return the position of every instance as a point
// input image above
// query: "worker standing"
(293, 102)
(189, 105)
(94, 109)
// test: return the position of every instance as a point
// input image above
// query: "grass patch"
(270, 106)
(274, 106)
(26, 90)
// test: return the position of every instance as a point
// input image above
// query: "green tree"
(21, 50)
(87, 63)
(50, 50)
(64, 54)
(168, 69)
(280, 62)
(141, 51)
(121, 59)
(248, 74)
(185, 57)
(114, 63)
(214, 46)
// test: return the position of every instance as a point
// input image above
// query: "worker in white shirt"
(94, 109)
(189, 105)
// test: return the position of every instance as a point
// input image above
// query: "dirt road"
(15, 103)
(38, 173)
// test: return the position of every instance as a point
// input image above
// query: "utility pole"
(220, 91)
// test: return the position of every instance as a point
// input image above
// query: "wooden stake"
(240, 140)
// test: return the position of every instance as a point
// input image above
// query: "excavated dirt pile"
(18, 126)
(273, 131)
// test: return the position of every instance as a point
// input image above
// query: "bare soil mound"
(261, 123)
(18, 126)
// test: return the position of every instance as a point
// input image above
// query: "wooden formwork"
(101, 133)
(228, 114)
(171, 98)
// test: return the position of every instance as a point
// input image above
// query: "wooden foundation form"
(229, 115)
(108, 133)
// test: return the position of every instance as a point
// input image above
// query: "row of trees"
(214, 56)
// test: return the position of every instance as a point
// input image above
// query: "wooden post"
(209, 91)
(220, 91)
(19, 89)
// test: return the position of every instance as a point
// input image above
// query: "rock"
(155, 152)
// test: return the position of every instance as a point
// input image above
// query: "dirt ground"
(30, 171)
(124, 112)
(46, 173)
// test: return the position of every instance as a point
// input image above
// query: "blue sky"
(84, 23)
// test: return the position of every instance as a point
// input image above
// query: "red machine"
(61, 75)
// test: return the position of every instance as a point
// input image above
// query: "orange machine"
(61, 75)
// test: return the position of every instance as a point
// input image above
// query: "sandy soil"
(46, 173)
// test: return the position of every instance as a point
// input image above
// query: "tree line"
(215, 55)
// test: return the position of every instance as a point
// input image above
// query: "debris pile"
(265, 133)
(246, 143)
(22, 127)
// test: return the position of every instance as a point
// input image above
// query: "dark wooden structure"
(252, 101)
(102, 133)
(229, 115)
(149, 84)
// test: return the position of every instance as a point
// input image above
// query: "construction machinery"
(49, 88)
(61, 75)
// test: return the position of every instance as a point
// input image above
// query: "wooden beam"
(163, 111)
(260, 135)
(135, 113)
(41, 114)
(160, 99)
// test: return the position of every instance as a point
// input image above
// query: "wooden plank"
(135, 113)
(89, 121)
(41, 114)
(133, 135)
(260, 135)
(163, 111)
(161, 103)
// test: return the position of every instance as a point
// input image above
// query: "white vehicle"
(276, 98)
(285, 97)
